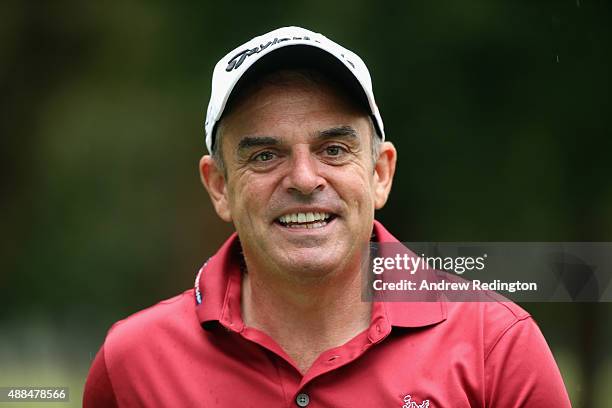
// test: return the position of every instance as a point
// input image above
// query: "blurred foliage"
(500, 111)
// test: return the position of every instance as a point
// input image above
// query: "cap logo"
(239, 58)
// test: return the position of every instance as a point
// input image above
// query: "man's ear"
(384, 170)
(214, 181)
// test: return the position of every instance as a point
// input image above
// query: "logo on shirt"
(198, 294)
(409, 403)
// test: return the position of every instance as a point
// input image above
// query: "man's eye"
(334, 150)
(263, 156)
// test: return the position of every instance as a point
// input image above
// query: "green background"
(499, 110)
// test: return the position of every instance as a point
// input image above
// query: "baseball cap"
(288, 47)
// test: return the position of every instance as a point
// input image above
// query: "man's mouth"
(305, 219)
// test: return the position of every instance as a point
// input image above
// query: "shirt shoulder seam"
(517, 320)
(148, 309)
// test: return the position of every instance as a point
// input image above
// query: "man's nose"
(303, 176)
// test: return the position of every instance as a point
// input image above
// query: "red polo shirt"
(194, 350)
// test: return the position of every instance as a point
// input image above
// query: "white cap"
(231, 68)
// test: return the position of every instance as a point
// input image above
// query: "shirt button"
(302, 400)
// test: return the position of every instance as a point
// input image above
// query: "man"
(299, 163)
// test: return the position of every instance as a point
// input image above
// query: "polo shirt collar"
(218, 286)
(408, 314)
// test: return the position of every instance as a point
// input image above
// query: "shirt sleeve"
(521, 372)
(98, 391)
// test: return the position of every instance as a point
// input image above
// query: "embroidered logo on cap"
(409, 403)
(239, 58)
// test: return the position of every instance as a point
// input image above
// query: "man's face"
(301, 186)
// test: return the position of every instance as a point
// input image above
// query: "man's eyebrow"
(248, 142)
(338, 131)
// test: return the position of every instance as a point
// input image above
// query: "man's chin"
(310, 271)
(309, 261)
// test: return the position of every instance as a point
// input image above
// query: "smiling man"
(299, 164)
(301, 186)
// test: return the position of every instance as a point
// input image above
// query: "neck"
(305, 318)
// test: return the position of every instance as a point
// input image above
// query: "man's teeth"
(305, 220)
